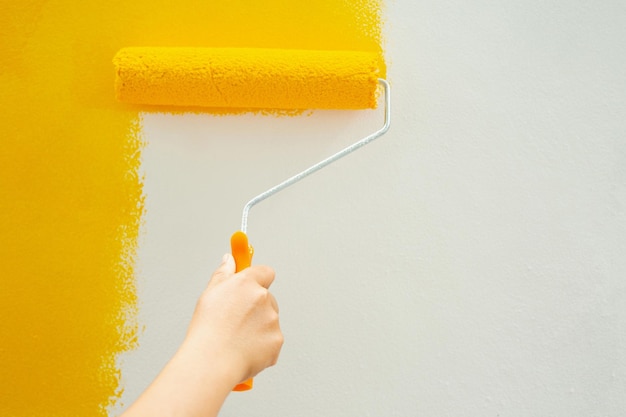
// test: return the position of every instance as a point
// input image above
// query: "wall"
(71, 197)
(471, 262)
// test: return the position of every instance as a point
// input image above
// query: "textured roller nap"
(247, 78)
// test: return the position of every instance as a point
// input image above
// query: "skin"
(234, 334)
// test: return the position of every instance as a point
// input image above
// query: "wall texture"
(71, 197)
(471, 262)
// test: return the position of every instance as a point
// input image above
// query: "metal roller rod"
(322, 164)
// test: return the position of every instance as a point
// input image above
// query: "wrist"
(213, 358)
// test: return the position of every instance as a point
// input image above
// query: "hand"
(233, 335)
(236, 319)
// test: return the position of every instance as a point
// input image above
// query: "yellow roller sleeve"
(247, 78)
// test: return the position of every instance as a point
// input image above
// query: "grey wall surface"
(472, 262)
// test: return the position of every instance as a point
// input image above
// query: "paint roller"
(254, 79)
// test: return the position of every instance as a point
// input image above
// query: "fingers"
(263, 275)
(225, 270)
(273, 301)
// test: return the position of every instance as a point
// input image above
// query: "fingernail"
(225, 258)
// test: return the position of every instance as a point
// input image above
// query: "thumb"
(226, 268)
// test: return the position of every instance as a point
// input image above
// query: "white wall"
(470, 263)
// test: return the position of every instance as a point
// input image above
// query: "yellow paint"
(248, 78)
(70, 196)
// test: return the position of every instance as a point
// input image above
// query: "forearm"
(233, 335)
(187, 387)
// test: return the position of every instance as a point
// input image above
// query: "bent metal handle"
(242, 252)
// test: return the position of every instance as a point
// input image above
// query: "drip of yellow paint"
(70, 193)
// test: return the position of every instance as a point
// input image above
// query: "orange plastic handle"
(242, 252)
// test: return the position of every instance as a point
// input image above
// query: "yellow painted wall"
(70, 194)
